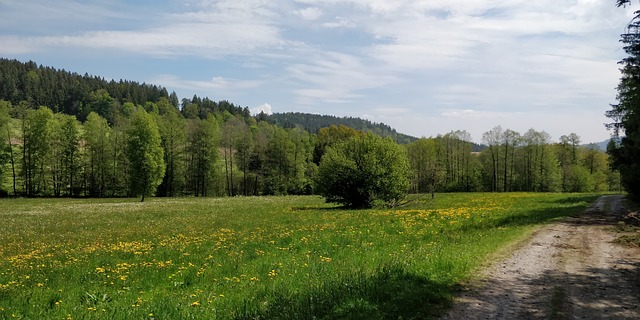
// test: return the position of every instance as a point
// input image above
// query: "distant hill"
(601, 145)
(314, 122)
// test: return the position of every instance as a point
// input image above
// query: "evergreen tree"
(626, 113)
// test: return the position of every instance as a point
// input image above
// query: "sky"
(424, 67)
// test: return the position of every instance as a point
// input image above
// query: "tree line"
(158, 149)
(79, 95)
(511, 161)
(92, 134)
(315, 122)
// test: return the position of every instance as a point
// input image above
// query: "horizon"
(423, 68)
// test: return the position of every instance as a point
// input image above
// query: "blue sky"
(424, 67)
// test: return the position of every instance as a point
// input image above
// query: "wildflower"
(195, 303)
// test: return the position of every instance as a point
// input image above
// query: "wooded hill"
(78, 95)
(314, 122)
(62, 134)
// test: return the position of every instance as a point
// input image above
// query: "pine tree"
(626, 113)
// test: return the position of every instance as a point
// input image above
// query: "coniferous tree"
(626, 112)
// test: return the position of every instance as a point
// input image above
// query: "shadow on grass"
(571, 207)
(392, 293)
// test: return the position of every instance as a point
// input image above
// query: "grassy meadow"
(253, 258)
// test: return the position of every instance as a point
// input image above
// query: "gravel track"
(567, 270)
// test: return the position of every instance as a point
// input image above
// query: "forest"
(66, 135)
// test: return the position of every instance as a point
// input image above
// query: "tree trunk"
(13, 166)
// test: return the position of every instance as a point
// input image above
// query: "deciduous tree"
(363, 171)
(144, 150)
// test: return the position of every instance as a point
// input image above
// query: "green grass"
(253, 258)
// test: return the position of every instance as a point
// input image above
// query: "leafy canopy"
(364, 171)
(145, 154)
(626, 113)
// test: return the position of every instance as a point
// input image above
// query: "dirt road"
(566, 270)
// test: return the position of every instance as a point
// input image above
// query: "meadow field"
(254, 257)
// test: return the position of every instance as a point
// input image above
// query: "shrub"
(364, 171)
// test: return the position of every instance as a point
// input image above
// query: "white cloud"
(213, 30)
(265, 107)
(310, 13)
(217, 84)
(470, 114)
(334, 77)
(339, 22)
(419, 64)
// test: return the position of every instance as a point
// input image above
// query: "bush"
(364, 171)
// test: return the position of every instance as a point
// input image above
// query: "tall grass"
(253, 258)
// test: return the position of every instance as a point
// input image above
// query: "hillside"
(314, 122)
(78, 95)
(74, 94)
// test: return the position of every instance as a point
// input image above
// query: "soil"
(573, 269)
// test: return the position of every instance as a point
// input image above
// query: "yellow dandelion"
(195, 303)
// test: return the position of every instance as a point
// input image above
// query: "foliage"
(145, 154)
(36, 134)
(216, 148)
(4, 141)
(98, 146)
(329, 136)
(173, 133)
(267, 258)
(70, 93)
(626, 114)
(427, 167)
(202, 154)
(363, 171)
(314, 123)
